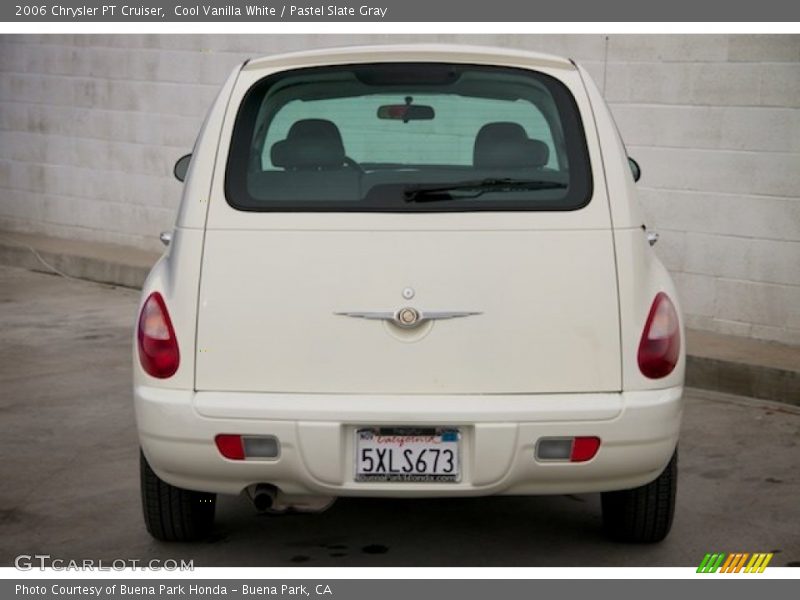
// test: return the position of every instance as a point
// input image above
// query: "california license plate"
(408, 454)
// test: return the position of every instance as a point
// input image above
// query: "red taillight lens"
(660, 346)
(584, 448)
(230, 446)
(158, 348)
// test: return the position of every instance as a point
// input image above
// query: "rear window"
(408, 137)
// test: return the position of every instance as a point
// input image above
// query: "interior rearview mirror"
(406, 112)
(635, 169)
(181, 167)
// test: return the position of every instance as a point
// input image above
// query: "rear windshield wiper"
(437, 192)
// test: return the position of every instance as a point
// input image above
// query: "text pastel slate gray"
(398, 11)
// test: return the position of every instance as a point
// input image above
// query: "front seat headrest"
(310, 144)
(505, 144)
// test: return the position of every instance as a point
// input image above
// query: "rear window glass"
(408, 137)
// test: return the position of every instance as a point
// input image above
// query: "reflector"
(230, 446)
(584, 448)
(240, 447)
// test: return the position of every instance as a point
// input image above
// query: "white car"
(408, 271)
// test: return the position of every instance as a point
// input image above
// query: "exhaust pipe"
(267, 498)
(264, 496)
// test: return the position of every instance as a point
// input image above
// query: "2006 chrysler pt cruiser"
(414, 271)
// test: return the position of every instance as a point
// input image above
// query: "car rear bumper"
(638, 432)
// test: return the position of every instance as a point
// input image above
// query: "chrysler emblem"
(408, 317)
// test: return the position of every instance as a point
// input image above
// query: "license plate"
(410, 455)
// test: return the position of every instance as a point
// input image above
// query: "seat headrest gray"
(310, 144)
(506, 145)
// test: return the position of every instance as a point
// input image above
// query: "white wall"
(91, 125)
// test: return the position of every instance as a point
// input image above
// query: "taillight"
(584, 448)
(660, 346)
(230, 446)
(158, 348)
(572, 449)
(240, 447)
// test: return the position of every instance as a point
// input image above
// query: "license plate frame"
(422, 441)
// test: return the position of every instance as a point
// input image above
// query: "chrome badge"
(408, 317)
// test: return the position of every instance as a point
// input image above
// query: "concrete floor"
(69, 474)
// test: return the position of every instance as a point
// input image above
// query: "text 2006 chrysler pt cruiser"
(408, 272)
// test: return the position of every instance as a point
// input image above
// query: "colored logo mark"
(735, 563)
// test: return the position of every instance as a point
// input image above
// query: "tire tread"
(643, 514)
(173, 514)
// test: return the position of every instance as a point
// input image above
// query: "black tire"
(643, 514)
(172, 514)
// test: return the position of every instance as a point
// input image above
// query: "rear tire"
(643, 514)
(172, 514)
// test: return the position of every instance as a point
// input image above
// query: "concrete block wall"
(91, 125)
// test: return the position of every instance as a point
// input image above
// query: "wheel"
(643, 514)
(173, 514)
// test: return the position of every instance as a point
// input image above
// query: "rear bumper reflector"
(241, 447)
(572, 449)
